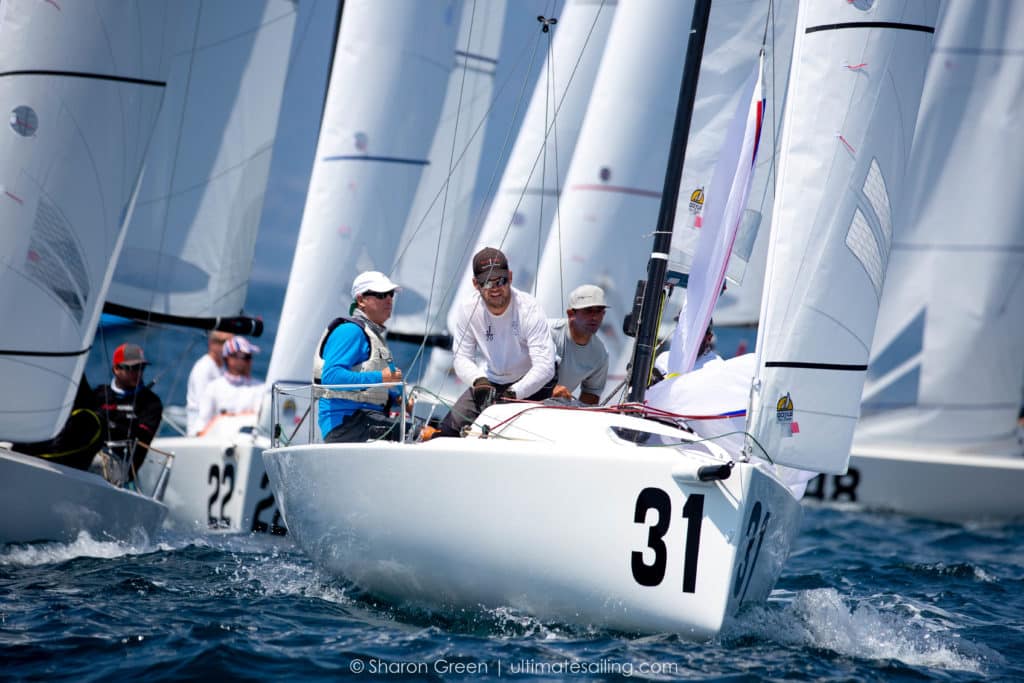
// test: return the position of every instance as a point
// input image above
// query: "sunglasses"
(242, 356)
(496, 282)
(381, 295)
(130, 368)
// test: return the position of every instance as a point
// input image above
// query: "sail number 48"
(693, 512)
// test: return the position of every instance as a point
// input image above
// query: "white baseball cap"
(586, 296)
(372, 281)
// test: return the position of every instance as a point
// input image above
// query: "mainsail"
(855, 84)
(949, 349)
(524, 204)
(440, 225)
(84, 83)
(391, 66)
(189, 248)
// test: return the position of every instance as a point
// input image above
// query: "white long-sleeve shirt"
(515, 347)
(203, 372)
(228, 394)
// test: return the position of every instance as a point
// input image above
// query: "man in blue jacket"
(352, 351)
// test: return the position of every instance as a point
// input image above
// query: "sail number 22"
(693, 512)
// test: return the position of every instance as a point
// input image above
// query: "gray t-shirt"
(579, 366)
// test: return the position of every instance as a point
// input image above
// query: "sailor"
(129, 410)
(582, 357)
(208, 368)
(705, 354)
(236, 391)
(507, 328)
(352, 350)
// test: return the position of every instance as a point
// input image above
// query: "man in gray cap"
(582, 357)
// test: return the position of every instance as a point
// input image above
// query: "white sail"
(81, 86)
(189, 248)
(948, 360)
(609, 205)
(855, 85)
(726, 200)
(523, 208)
(439, 225)
(391, 67)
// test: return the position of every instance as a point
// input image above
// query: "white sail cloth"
(609, 204)
(524, 205)
(391, 66)
(726, 199)
(948, 361)
(189, 248)
(855, 84)
(83, 83)
(439, 228)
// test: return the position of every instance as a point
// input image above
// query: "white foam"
(33, 554)
(822, 618)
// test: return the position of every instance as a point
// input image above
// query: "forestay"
(391, 65)
(82, 83)
(855, 84)
(189, 248)
(949, 349)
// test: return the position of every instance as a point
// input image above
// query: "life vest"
(379, 360)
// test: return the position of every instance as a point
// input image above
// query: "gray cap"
(586, 296)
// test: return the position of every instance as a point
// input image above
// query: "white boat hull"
(546, 527)
(943, 486)
(218, 482)
(43, 501)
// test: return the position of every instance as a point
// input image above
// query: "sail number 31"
(693, 512)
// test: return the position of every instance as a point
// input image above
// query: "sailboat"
(937, 432)
(84, 83)
(383, 103)
(616, 516)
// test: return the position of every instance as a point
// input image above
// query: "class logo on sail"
(697, 200)
(784, 409)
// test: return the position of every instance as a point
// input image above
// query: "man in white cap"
(582, 357)
(352, 350)
(236, 391)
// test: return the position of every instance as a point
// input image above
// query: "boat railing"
(293, 409)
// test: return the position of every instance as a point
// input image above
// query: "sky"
(300, 118)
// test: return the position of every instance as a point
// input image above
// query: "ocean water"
(863, 597)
